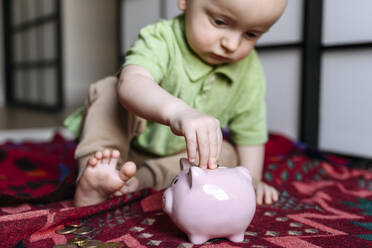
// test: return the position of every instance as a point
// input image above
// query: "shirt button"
(212, 78)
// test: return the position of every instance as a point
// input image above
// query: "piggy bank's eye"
(174, 180)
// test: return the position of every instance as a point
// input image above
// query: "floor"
(16, 118)
(17, 124)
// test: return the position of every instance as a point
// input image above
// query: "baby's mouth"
(219, 58)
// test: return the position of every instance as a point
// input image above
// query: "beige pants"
(107, 125)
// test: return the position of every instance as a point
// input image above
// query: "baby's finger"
(219, 143)
(203, 146)
(213, 148)
(275, 194)
(259, 194)
(191, 145)
(268, 195)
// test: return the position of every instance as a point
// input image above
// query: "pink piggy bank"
(208, 204)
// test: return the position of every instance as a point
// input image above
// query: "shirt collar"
(231, 71)
(194, 66)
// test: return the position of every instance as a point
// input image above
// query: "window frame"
(10, 30)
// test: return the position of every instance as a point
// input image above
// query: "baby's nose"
(230, 43)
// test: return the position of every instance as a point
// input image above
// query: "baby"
(183, 79)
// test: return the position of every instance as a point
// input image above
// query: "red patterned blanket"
(323, 203)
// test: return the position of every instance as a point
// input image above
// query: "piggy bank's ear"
(185, 164)
(196, 176)
(245, 172)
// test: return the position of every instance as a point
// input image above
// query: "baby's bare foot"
(101, 179)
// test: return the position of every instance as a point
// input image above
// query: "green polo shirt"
(232, 93)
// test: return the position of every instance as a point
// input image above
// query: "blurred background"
(317, 59)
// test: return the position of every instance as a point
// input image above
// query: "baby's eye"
(251, 35)
(218, 22)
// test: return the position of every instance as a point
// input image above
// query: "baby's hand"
(265, 191)
(202, 134)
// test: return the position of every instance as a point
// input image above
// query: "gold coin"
(114, 245)
(66, 230)
(92, 244)
(65, 246)
(83, 230)
(78, 240)
(74, 225)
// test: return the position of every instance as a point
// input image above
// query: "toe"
(114, 158)
(98, 157)
(117, 193)
(106, 156)
(115, 154)
(130, 186)
(127, 170)
(92, 162)
(133, 184)
(122, 191)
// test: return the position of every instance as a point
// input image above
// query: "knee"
(228, 156)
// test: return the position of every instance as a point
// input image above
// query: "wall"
(283, 71)
(171, 9)
(346, 105)
(346, 78)
(89, 45)
(136, 14)
(2, 76)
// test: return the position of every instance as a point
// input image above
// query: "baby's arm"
(252, 157)
(139, 93)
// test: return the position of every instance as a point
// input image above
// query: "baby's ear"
(182, 5)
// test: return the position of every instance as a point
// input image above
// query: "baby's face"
(226, 31)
